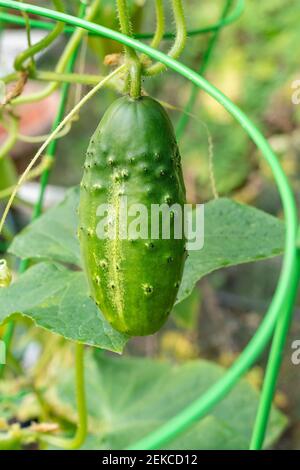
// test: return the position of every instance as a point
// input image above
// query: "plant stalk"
(132, 60)
(180, 41)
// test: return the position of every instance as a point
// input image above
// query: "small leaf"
(56, 299)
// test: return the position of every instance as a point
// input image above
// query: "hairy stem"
(132, 60)
(160, 24)
(180, 41)
(160, 28)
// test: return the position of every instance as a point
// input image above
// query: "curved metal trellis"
(279, 313)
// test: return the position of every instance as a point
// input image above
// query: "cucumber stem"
(132, 60)
(160, 24)
(180, 41)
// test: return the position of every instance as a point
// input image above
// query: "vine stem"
(28, 35)
(160, 28)
(62, 63)
(36, 139)
(53, 135)
(81, 68)
(160, 24)
(132, 59)
(80, 435)
(180, 41)
(49, 76)
(37, 171)
(39, 139)
(43, 44)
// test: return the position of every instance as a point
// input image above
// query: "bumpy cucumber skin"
(132, 153)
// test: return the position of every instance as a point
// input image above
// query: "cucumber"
(132, 153)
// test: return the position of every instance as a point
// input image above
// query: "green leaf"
(53, 235)
(234, 234)
(129, 398)
(56, 299)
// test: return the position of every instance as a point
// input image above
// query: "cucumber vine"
(127, 78)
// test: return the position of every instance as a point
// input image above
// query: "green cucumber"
(132, 153)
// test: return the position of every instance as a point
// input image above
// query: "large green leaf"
(234, 234)
(129, 397)
(56, 299)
